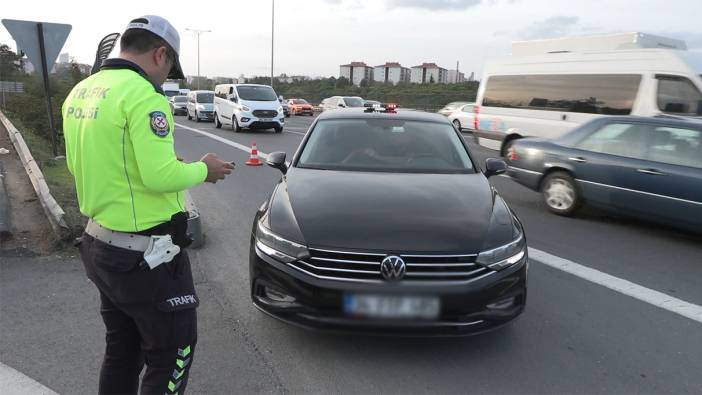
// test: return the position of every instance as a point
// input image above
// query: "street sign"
(26, 35)
(42, 43)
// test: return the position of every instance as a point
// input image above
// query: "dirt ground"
(31, 233)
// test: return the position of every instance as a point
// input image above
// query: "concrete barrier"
(53, 211)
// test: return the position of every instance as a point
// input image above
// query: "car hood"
(387, 212)
(261, 105)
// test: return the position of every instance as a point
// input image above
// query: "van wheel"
(189, 117)
(218, 124)
(279, 129)
(197, 117)
(235, 125)
(560, 193)
(457, 124)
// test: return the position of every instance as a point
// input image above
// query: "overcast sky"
(313, 37)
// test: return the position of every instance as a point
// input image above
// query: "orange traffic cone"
(253, 160)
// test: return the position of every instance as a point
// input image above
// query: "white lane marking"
(15, 382)
(650, 296)
(290, 131)
(655, 298)
(223, 140)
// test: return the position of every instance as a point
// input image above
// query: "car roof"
(689, 122)
(360, 113)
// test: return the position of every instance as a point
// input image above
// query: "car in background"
(178, 105)
(200, 105)
(284, 104)
(248, 106)
(348, 240)
(372, 104)
(462, 117)
(300, 107)
(451, 107)
(649, 168)
(337, 102)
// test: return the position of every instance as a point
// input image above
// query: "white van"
(200, 105)
(337, 102)
(248, 106)
(549, 94)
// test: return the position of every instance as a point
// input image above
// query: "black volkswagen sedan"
(646, 167)
(383, 223)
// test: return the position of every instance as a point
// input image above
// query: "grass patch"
(60, 181)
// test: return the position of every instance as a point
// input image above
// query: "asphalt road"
(575, 336)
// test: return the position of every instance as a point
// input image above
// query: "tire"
(197, 117)
(218, 124)
(235, 125)
(457, 124)
(560, 193)
(189, 117)
(278, 129)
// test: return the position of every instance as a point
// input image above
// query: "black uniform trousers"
(150, 318)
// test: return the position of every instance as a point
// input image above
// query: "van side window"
(676, 146)
(677, 95)
(583, 93)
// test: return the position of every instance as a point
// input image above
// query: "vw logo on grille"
(393, 268)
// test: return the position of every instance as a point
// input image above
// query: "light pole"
(198, 33)
(272, 38)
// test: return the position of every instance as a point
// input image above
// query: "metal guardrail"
(53, 211)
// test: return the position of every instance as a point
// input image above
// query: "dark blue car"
(645, 167)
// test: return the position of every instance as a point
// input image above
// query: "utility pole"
(457, 71)
(198, 33)
(272, 39)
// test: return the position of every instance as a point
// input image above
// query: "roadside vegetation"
(27, 111)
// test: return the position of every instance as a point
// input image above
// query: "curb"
(15, 382)
(194, 222)
(53, 211)
(5, 226)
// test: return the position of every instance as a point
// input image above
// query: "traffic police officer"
(119, 147)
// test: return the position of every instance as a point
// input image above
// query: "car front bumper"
(466, 309)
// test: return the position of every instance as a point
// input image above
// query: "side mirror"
(341, 105)
(494, 167)
(234, 99)
(276, 160)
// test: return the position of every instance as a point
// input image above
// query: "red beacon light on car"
(391, 107)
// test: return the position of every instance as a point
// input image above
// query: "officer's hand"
(216, 169)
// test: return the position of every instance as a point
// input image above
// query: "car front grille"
(265, 113)
(365, 267)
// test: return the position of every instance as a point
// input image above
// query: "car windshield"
(205, 97)
(300, 101)
(385, 145)
(353, 102)
(257, 93)
(180, 99)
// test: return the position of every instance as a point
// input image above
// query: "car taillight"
(512, 154)
(476, 112)
(390, 107)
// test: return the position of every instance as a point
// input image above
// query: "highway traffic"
(613, 303)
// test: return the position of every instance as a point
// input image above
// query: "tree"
(364, 83)
(431, 79)
(342, 82)
(9, 63)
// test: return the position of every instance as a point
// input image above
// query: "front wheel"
(189, 117)
(279, 129)
(235, 125)
(218, 124)
(560, 193)
(197, 117)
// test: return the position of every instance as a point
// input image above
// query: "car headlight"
(504, 256)
(244, 108)
(280, 109)
(280, 249)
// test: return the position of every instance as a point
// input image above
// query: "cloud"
(433, 4)
(555, 26)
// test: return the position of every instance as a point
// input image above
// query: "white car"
(337, 102)
(548, 94)
(200, 105)
(248, 106)
(451, 107)
(462, 117)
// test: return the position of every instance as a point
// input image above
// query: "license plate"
(266, 119)
(393, 307)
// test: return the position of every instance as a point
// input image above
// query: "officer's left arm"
(151, 133)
